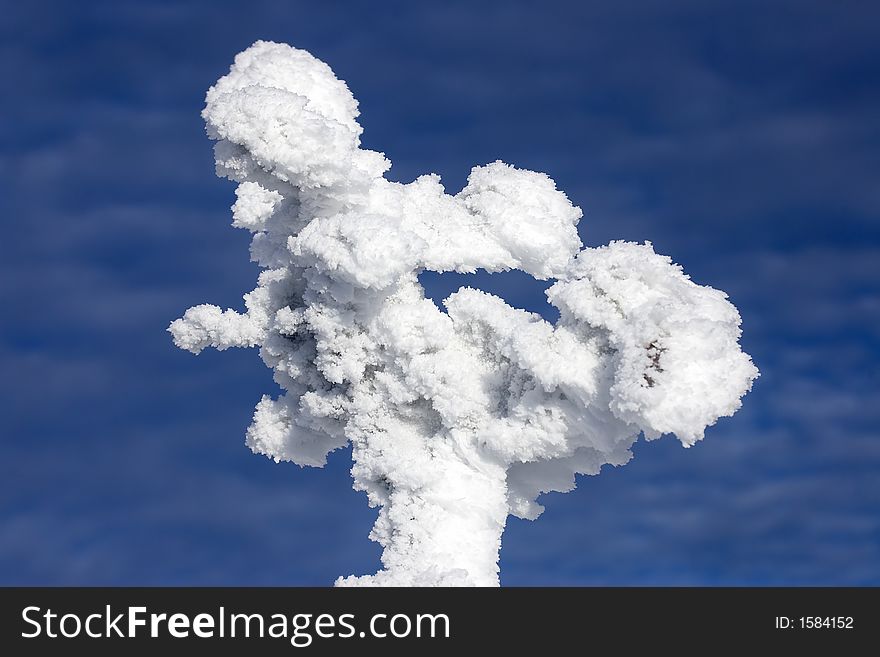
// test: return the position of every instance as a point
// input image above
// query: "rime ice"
(456, 418)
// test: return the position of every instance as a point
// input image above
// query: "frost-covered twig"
(456, 418)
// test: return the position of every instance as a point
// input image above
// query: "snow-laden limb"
(456, 418)
(677, 363)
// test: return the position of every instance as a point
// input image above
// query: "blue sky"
(741, 138)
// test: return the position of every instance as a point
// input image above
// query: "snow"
(459, 418)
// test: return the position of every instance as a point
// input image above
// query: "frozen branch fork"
(456, 418)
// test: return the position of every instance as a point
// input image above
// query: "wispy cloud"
(744, 150)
